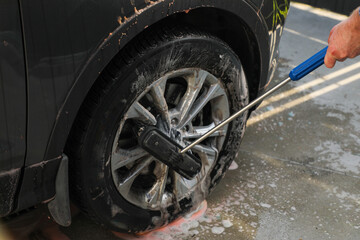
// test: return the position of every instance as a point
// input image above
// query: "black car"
(80, 78)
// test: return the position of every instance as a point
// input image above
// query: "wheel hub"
(165, 149)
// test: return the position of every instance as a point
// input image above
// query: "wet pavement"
(298, 174)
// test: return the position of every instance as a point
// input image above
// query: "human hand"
(344, 40)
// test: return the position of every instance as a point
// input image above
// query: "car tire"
(175, 64)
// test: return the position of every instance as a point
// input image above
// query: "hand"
(344, 40)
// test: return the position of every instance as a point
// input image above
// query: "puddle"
(334, 156)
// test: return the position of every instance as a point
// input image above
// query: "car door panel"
(12, 103)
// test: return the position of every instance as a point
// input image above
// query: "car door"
(12, 103)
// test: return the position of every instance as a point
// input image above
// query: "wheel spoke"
(122, 157)
(200, 103)
(200, 148)
(126, 183)
(183, 185)
(195, 83)
(201, 130)
(207, 155)
(157, 93)
(137, 111)
(155, 194)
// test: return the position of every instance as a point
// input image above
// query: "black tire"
(148, 58)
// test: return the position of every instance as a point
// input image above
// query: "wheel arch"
(238, 21)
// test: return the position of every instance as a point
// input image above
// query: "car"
(81, 79)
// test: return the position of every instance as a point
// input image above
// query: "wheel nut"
(140, 131)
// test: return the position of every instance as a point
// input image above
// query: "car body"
(52, 52)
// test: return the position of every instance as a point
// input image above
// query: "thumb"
(329, 60)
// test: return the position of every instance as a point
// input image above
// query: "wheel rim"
(190, 101)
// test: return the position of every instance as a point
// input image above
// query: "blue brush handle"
(308, 66)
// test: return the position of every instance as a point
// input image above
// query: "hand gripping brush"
(188, 165)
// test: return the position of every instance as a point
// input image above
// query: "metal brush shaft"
(226, 121)
(297, 73)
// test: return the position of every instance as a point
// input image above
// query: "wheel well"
(227, 27)
(232, 30)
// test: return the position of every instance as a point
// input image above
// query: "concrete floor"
(299, 163)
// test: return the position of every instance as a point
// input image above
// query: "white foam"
(233, 165)
(265, 205)
(227, 223)
(217, 230)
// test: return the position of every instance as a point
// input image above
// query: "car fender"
(128, 28)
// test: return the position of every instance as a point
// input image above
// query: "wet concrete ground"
(298, 174)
